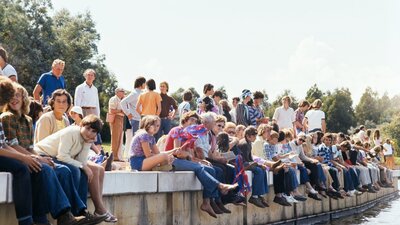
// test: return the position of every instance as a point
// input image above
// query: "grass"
(397, 161)
(106, 146)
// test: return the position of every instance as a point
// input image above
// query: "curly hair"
(6, 90)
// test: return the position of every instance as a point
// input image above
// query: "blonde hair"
(58, 62)
(220, 119)
(147, 121)
(25, 99)
(262, 129)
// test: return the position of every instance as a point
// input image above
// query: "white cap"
(77, 109)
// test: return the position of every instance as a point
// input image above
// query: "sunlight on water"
(382, 213)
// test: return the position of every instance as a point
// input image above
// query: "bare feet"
(225, 188)
(206, 207)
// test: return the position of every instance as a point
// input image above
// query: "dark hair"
(250, 102)
(258, 95)
(139, 81)
(319, 137)
(236, 99)
(250, 131)
(57, 93)
(187, 96)
(303, 103)
(93, 122)
(151, 85)
(346, 145)
(362, 127)
(217, 94)
(34, 109)
(377, 134)
(223, 142)
(225, 105)
(207, 87)
(208, 102)
(341, 135)
(3, 54)
(275, 127)
(7, 90)
(281, 136)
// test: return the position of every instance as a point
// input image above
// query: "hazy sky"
(271, 45)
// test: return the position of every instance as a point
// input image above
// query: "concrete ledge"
(178, 181)
(116, 183)
(4, 187)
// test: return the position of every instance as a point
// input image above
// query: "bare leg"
(151, 162)
(96, 187)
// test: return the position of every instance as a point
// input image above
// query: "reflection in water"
(382, 213)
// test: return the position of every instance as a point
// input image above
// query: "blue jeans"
(321, 175)
(165, 127)
(52, 200)
(334, 174)
(348, 182)
(22, 191)
(304, 178)
(291, 182)
(354, 177)
(75, 185)
(205, 174)
(260, 182)
(134, 125)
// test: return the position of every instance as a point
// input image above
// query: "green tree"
(392, 130)
(338, 110)
(368, 107)
(34, 39)
(177, 95)
(314, 93)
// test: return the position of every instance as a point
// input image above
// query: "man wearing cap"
(5, 68)
(242, 110)
(50, 81)
(116, 125)
(87, 96)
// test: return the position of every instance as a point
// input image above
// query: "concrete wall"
(174, 198)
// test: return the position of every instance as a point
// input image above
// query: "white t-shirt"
(389, 149)
(315, 118)
(10, 71)
(284, 117)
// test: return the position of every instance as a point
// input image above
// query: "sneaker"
(256, 201)
(110, 217)
(356, 192)
(90, 219)
(281, 201)
(290, 199)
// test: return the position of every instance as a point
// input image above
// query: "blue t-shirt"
(49, 84)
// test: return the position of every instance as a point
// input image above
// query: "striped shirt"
(326, 153)
(255, 113)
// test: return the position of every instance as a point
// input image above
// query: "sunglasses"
(221, 126)
(301, 139)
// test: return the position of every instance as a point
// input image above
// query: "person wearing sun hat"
(76, 113)
(242, 111)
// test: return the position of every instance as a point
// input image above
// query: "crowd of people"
(51, 142)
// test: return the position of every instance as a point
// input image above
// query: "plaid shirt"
(17, 130)
(2, 137)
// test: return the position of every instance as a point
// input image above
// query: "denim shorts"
(137, 162)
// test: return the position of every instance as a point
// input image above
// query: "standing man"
(128, 104)
(117, 125)
(5, 68)
(87, 96)
(50, 81)
(284, 116)
(242, 110)
(168, 110)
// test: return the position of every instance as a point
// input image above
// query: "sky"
(255, 44)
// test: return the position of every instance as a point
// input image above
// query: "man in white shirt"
(284, 116)
(87, 96)
(128, 104)
(5, 68)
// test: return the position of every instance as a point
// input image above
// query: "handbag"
(110, 118)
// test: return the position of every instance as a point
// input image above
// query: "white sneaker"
(350, 193)
(290, 199)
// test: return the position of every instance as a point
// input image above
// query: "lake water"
(382, 213)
